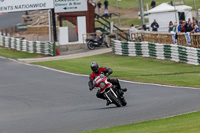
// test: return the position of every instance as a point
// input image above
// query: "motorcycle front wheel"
(90, 45)
(115, 100)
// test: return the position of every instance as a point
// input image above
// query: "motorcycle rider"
(106, 71)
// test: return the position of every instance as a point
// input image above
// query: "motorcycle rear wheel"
(120, 94)
(116, 101)
(124, 103)
(90, 45)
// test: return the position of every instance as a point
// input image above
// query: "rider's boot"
(124, 89)
(108, 102)
(121, 93)
(119, 86)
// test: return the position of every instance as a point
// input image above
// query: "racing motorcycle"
(94, 42)
(110, 92)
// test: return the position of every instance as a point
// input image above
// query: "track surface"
(10, 19)
(38, 100)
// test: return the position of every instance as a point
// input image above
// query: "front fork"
(106, 95)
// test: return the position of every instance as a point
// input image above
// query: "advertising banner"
(70, 5)
(25, 5)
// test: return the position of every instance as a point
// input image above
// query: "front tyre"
(90, 45)
(115, 100)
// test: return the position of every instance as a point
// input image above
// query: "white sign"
(24, 5)
(70, 5)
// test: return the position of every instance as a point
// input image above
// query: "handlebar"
(108, 75)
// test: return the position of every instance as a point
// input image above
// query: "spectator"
(176, 28)
(193, 30)
(99, 7)
(106, 4)
(189, 20)
(170, 26)
(132, 30)
(193, 19)
(106, 14)
(183, 26)
(153, 3)
(197, 30)
(196, 27)
(155, 26)
(188, 27)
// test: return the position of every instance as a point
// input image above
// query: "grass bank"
(127, 4)
(135, 69)
(10, 53)
(187, 123)
(125, 22)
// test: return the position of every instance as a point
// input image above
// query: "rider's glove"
(90, 88)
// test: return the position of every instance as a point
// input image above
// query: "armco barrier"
(173, 52)
(46, 48)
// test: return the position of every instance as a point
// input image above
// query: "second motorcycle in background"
(96, 41)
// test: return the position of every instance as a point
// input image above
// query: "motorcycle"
(109, 91)
(94, 42)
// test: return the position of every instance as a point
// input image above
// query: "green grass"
(127, 4)
(10, 53)
(135, 69)
(187, 123)
(65, 23)
(125, 22)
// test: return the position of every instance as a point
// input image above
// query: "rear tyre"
(116, 101)
(120, 94)
(90, 45)
(124, 103)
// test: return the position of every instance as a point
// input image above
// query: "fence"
(171, 52)
(121, 34)
(166, 38)
(46, 48)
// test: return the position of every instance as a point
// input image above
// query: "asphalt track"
(10, 19)
(38, 100)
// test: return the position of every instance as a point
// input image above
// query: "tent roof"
(164, 7)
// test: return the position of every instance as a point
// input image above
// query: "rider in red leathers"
(106, 71)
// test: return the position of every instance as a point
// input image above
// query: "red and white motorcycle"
(109, 91)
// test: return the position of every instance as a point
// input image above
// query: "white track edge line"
(82, 75)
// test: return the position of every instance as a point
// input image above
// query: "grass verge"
(127, 4)
(135, 69)
(125, 22)
(10, 53)
(187, 123)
